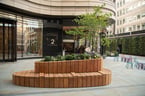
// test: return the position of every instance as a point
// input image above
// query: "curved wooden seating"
(65, 80)
(90, 65)
(64, 74)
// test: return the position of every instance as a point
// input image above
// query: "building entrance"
(7, 40)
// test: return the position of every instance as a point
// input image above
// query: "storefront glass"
(1, 40)
(29, 35)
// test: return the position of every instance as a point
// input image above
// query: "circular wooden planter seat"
(64, 74)
(78, 66)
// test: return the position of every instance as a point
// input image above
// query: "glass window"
(120, 30)
(120, 12)
(117, 31)
(6, 39)
(143, 26)
(143, 14)
(138, 27)
(118, 4)
(123, 30)
(19, 36)
(130, 28)
(120, 22)
(117, 13)
(123, 21)
(1, 40)
(29, 37)
(123, 1)
(138, 16)
(134, 27)
(32, 37)
(117, 22)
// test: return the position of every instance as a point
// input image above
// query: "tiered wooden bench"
(64, 74)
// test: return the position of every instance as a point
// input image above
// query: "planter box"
(65, 74)
(64, 80)
(77, 66)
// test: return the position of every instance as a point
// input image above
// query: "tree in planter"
(76, 32)
(93, 24)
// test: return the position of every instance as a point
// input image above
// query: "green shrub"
(108, 53)
(69, 57)
(95, 56)
(87, 56)
(116, 53)
(47, 58)
(81, 56)
(75, 56)
(134, 45)
(60, 58)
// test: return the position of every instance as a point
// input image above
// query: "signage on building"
(52, 39)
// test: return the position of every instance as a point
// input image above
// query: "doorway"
(7, 39)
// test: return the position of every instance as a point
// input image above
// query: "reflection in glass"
(19, 37)
(7, 51)
(29, 40)
(6, 40)
(10, 41)
(29, 37)
(1, 40)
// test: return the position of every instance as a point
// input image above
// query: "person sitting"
(81, 49)
(87, 50)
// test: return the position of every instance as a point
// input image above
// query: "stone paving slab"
(125, 82)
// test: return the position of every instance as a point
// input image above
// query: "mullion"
(3, 41)
(8, 41)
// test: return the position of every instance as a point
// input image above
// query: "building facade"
(130, 16)
(38, 26)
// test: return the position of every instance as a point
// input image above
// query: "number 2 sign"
(51, 39)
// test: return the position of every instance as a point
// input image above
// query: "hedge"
(130, 45)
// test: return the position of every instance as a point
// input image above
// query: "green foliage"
(112, 53)
(113, 45)
(95, 55)
(83, 56)
(93, 24)
(105, 42)
(126, 45)
(116, 53)
(87, 56)
(143, 45)
(47, 58)
(80, 57)
(136, 45)
(119, 41)
(140, 48)
(108, 53)
(133, 48)
(69, 57)
(60, 58)
(130, 45)
(77, 31)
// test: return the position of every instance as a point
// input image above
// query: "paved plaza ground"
(125, 82)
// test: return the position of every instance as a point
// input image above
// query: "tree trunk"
(98, 44)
